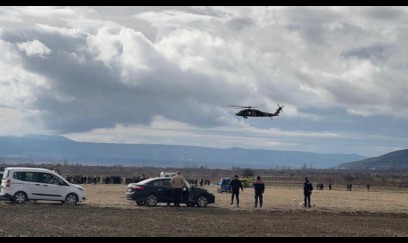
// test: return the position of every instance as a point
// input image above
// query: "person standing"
(259, 187)
(177, 182)
(307, 191)
(234, 186)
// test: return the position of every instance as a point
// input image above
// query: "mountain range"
(397, 160)
(50, 148)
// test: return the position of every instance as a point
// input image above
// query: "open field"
(380, 212)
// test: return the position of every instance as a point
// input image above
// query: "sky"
(168, 75)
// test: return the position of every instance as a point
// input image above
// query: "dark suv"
(158, 190)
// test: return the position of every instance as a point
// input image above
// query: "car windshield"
(226, 182)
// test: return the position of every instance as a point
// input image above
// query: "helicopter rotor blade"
(239, 106)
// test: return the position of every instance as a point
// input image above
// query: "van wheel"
(20, 197)
(71, 199)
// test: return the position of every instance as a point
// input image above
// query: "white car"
(22, 184)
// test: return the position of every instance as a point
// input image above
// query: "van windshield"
(227, 181)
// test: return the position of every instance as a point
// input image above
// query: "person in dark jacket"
(307, 190)
(259, 187)
(234, 186)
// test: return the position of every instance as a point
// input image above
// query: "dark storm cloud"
(240, 23)
(83, 95)
(384, 13)
(376, 53)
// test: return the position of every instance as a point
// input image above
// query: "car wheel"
(151, 200)
(20, 197)
(202, 201)
(71, 199)
(140, 203)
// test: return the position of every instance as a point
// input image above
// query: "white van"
(23, 184)
(167, 174)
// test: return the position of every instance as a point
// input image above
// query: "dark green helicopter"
(249, 111)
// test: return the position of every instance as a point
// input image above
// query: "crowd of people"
(178, 183)
(81, 179)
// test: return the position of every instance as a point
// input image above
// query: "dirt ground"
(380, 212)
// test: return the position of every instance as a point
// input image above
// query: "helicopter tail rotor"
(280, 108)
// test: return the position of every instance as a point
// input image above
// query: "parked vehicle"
(152, 191)
(1, 176)
(167, 174)
(23, 184)
(223, 185)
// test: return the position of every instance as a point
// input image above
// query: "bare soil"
(380, 212)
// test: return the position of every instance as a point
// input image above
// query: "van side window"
(44, 178)
(25, 176)
(54, 180)
(19, 176)
(29, 176)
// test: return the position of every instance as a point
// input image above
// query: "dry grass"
(278, 198)
(108, 213)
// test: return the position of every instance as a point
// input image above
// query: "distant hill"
(44, 148)
(397, 160)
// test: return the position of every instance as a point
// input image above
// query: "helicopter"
(250, 112)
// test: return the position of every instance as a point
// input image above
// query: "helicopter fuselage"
(254, 113)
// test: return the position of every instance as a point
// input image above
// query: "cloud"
(81, 69)
(34, 48)
(115, 77)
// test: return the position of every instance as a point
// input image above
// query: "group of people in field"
(235, 186)
(258, 185)
(259, 188)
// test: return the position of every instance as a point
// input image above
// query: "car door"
(52, 187)
(164, 190)
(190, 194)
